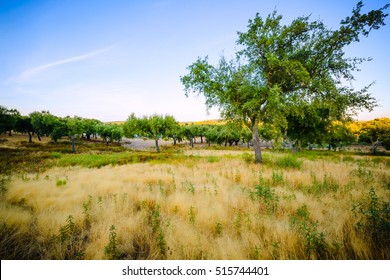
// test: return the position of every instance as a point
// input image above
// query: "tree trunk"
(39, 137)
(9, 133)
(256, 143)
(201, 139)
(192, 142)
(73, 148)
(29, 137)
(157, 146)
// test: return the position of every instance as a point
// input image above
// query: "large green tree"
(281, 64)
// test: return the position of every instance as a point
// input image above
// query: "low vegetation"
(109, 202)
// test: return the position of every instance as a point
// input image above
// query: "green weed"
(61, 182)
(315, 244)
(372, 217)
(218, 229)
(111, 249)
(277, 177)
(265, 195)
(328, 184)
(288, 161)
(192, 215)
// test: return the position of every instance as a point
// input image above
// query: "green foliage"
(110, 132)
(69, 241)
(288, 161)
(248, 158)
(100, 160)
(61, 182)
(8, 119)
(192, 215)
(4, 180)
(212, 159)
(315, 244)
(218, 229)
(363, 173)
(277, 177)
(155, 221)
(375, 131)
(154, 127)
(56, 155)
(86, 211)
(328, 184)
(372, 217)
(265, 195)
(189, 186)
(111, 249)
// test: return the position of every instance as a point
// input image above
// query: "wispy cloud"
(31, 72)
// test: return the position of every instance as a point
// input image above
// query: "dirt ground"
(144, 144)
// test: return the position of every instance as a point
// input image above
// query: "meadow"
(109, 202)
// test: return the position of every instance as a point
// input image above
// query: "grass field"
(108, 202)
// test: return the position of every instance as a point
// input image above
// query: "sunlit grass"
(192, 204)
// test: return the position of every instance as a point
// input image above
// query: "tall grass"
(203, 206)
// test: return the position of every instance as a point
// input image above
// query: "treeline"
(45, 124)
(335, 135)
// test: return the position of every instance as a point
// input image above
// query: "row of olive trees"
(45, 124)
(157, 127)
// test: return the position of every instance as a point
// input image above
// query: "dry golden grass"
(202, 207)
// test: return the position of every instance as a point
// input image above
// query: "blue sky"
(107, 59)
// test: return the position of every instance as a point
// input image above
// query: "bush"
(315, 244)
(289, 161)
(266, 195)
(373, 223)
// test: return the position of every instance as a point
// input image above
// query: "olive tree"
(154, 126)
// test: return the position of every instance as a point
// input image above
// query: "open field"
(109, 202)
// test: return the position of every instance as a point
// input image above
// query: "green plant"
(111, 249)
(289, 161)
(3, 184)
(66, 231)
(61, 182)
(190, 187)
(248, 158)
(265, 195)
(327, 185)
(372, 216)
(363, 173)
(277, 177)
(315, 244)
(218, 229)
(155, 221)
(192, 215)
(238, 222)
(68, 242)
(56, 155)
(212, 159)
(86, 211)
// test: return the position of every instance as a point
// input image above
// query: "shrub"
(266, 195)
(315, 244)
(111, 249)
(328, 184)
(373, 223)
(289, 161)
